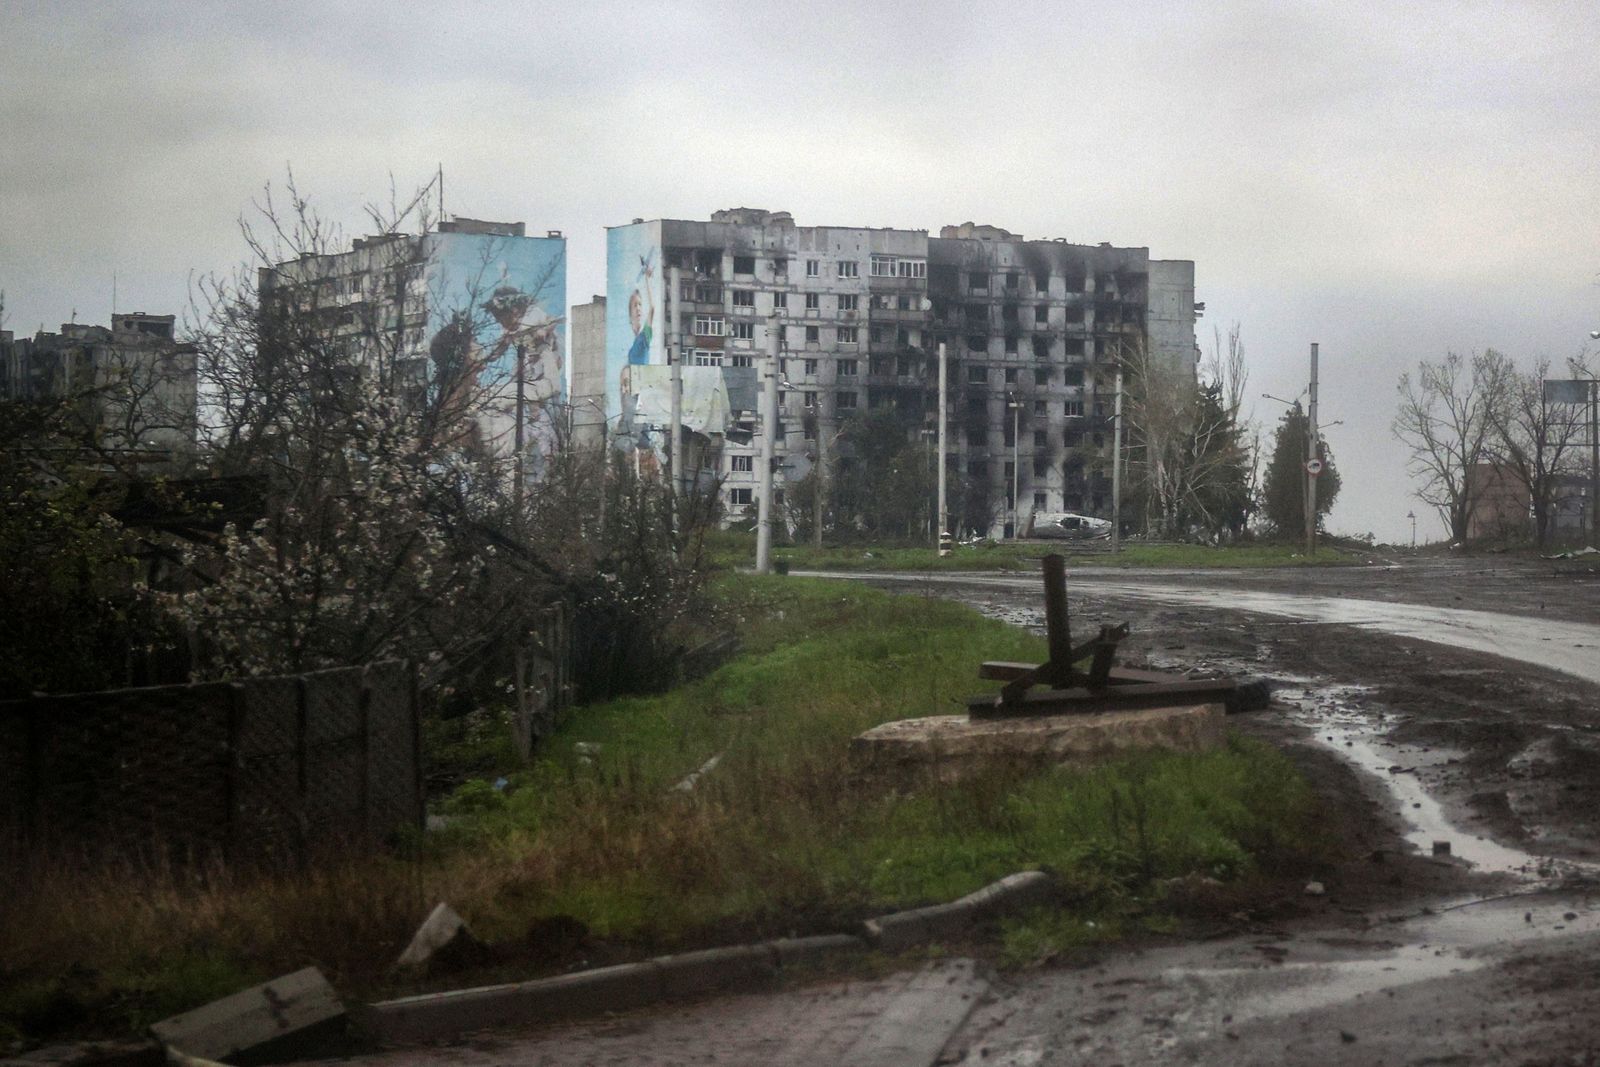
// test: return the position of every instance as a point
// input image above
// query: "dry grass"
(599, 858)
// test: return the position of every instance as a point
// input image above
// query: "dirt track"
(1412, 742)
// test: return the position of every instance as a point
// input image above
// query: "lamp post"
(1016, 467)
(1412, 515)
(939, 538)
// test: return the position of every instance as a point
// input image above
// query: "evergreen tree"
(1283, 489)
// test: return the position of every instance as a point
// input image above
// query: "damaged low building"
(132, 384)
(1033, 330)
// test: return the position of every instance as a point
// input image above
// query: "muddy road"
(1452, 703)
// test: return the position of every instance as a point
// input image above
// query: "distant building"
(1503, 509)
(589, 373)
(476, 306)
(133, 384)
(1032, 330)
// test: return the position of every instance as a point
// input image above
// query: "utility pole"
(1311, 457)
(819, 504)
(1116, 466)
(769, 432)
(675, 358)
(1594, 463)
(939, 541)
(517, 441)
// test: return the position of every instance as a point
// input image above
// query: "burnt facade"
(1033, 332)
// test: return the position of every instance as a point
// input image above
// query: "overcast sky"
(1392, 180)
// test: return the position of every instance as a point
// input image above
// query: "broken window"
(744, 331)
(1041, 348)
(708, 262)
(846, 401)
(978, 282)
(978, 375)
(813, 334)
(1041, 313)
(1041, 377)
(744, 264)
(744, 298)
(848, 368)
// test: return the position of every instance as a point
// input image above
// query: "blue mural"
(635, 309)
(493, 302)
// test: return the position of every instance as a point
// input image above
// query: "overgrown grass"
(732, 549)
(592, 847)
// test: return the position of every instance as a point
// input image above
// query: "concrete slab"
(260, 1022)
(954, 745)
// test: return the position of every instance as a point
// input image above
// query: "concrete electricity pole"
(769, 432)
(944, 526)
(675, 357)
(1116, 466)
(1311, 460)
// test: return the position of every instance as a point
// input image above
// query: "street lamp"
(1016, 467)
(1412, 515)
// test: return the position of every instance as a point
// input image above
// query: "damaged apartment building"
(1032, 329)
(131, 386)
(468, 316)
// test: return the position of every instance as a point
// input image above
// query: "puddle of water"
(1298, 987)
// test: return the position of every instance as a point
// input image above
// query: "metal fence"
(251, 769)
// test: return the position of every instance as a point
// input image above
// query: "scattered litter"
(442, 936)
(687, 785)
(1315, 889)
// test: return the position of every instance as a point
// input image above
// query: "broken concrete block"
(443, 936)
(276, 1015)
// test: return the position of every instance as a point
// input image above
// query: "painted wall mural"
(492, 302)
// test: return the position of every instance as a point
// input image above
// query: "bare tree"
(1539, 442)
(1193, 465)
(1447, 418)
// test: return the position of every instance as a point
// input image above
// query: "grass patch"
(591, 854)
(732, 549)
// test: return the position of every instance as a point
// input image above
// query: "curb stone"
(902, 929)
(694, 973)
(440, 1016)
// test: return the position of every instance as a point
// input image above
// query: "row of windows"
(882, 266)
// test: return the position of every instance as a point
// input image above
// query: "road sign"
(1570, 391)
(1313, 467)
